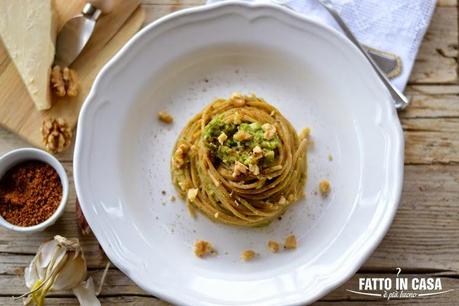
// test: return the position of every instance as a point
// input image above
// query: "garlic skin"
(86, 293)
(59, 265)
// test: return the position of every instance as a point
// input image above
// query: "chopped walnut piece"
(324, 188)
(64, 81)
(248, 255)
(180, 155)
(222, 138)
(282, 200)
(257, 154)
(191, 194)
(183, 185)
(203, 248)
(269, 131)
(57, 135)
(254, 169)
(239, 168)
(290, 242)
(257, 150)
(237, 99)
(165, 117)
(273, 246)
(242, 136)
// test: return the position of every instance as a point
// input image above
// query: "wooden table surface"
(424, 237)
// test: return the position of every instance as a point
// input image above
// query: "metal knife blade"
(75, 34)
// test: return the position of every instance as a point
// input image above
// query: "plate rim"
(370, 244)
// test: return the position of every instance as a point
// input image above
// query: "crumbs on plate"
(290, 242)
(203, 249)
(324, 188)
(165, 117)
(248, 255)
(273, 246)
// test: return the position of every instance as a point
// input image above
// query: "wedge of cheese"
(28, 33)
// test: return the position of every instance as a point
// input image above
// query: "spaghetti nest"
(240, 162)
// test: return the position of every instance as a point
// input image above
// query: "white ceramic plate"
(181, 63)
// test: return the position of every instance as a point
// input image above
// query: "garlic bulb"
(59, 265)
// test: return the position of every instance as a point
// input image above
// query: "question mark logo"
(398, 271)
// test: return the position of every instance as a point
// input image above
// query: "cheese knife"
(77, 31)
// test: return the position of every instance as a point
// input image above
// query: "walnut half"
(56, 133)
(64, 81)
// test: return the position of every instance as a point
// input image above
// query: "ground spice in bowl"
(30, 192)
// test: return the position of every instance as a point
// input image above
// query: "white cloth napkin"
(396, 26)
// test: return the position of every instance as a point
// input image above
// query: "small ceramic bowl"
(17, 156)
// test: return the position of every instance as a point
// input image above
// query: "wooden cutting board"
(17, 111)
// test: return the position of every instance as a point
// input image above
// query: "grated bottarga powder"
(30, 193)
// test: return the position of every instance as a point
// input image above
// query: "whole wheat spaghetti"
(240, 162)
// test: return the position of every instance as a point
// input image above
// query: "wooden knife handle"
(106, 6)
